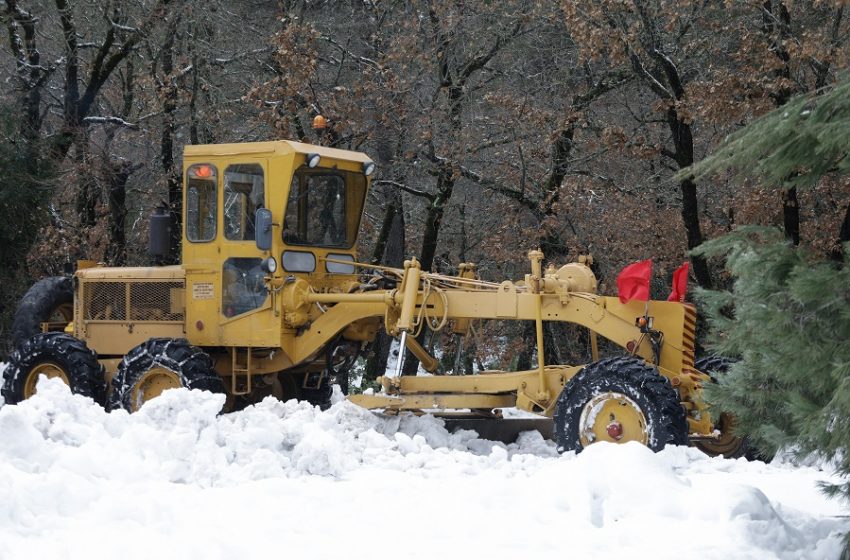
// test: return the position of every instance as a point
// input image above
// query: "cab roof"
(275, 147)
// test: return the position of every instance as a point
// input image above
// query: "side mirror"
(263, 228)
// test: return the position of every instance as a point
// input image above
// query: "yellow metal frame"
(542, 296)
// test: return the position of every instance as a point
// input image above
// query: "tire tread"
(631, 376)
(38, 304)
(78, 360)
(192, 364)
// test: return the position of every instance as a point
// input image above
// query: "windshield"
(324, 208)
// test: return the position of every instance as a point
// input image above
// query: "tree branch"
(647, 77)
(110, 120)
(362, 59)
(405, 188)
(672, 73)
(478, 62)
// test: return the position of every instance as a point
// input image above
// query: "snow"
(176, 480)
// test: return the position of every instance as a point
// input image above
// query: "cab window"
(201, 203)
(243, 288)
(324, 208)
(244, 192)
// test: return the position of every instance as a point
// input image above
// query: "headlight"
(368, 168)
(269, 265)
(313, 160)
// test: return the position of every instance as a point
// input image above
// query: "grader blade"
(506, 430)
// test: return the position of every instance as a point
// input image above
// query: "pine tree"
(793, 146)
(787, 315)
(788, 320)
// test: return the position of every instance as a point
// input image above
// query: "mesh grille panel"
(149, 301)
(105, 301)
(152, 301)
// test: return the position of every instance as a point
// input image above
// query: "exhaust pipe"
(159, 233)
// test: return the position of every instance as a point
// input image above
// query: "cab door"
(201, 251)
(227, 301)
(246, 317)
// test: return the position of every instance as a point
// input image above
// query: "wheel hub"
(51, 370)
(615, 430)
(612, 417)
(152, 384)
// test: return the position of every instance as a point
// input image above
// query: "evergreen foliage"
(793, 146)
(25, 190)
(786, 316)
(789, 321)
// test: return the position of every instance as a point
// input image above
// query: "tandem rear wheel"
(729, 442)
(51, 301)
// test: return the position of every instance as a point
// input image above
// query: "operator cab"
(254, 209)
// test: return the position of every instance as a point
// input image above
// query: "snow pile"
(285, 479)
(180, 438)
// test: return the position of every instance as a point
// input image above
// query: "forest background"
(496, 126)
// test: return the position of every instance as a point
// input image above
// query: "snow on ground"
(286, 480)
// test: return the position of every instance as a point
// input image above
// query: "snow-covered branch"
(111, 120)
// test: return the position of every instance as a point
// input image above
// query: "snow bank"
(175, 480)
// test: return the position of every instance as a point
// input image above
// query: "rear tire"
(48, 299)
(56, 355)
(160, 364)
(619, 400)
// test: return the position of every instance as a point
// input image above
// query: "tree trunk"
(117, 175)
(690, 217)
(434, 218)
(173, 179)
(791, 215)
(391, 216)
(88, 191)
(684, 155)
(30, 75)
(775, 19)
(843, 237)
(523, 361)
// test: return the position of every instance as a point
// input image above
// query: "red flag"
(680, 284)
(633, 281)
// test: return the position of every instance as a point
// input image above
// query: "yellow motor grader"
(270, 300)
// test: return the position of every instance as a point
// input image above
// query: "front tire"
(619, 400)
(160, 364)
(54, 355)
